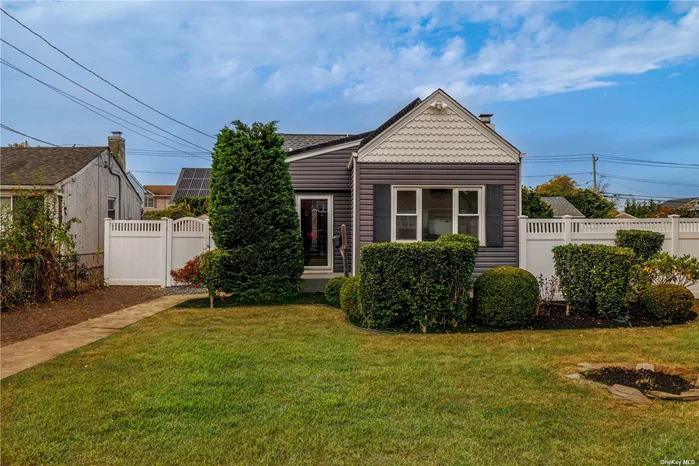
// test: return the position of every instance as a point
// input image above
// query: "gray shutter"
(382, 213)
(493, 215)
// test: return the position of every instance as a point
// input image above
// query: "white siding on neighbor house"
(85, 197)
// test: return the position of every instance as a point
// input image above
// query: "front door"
(315, 213)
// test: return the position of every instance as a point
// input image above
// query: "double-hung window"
(149, 202)
(426, 213)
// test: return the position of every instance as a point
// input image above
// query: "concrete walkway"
(28, 353)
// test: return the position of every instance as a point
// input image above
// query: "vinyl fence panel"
(539, 236)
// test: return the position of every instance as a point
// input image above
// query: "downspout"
(109, 167)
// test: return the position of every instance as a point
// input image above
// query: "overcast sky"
(617, 78)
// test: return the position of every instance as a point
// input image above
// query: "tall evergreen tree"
(253, 215)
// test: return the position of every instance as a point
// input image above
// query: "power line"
(557, 174)
(87, 106)
(156, 173)
(103, 79)
(27, 136)
(669, 183)
(100, 97)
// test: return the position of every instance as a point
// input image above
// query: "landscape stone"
(645, 366)
(663, 395)
(690, 395)
(573, 376)
(628, 395)
(587, 366)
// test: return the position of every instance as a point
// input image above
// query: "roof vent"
(439, 106)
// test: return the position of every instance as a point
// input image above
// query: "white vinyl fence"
(143, 252)
(538, 236)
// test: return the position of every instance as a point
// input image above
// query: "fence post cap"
(107, 219)
(522, 216)
(567, 216)
(673, 216)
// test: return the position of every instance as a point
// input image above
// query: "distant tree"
(640, 209)
(533, 206)
(19, 144)
(592, 204)
(561, 185)
(198, 205)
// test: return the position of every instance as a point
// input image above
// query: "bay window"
(426, 213)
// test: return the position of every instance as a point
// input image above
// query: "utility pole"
(594, 171)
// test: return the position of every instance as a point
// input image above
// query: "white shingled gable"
(439, 134)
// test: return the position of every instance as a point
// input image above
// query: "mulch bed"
(643, 380)
(553, 319)
(26, 322)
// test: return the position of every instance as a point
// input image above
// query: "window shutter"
(493, 215)
(382, 213)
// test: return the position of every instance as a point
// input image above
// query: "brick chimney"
(117, 146)
(485, 118)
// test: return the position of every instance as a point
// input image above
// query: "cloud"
(359, 52)
(675, 75)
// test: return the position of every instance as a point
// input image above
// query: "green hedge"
(249, 274)
(332, 291)
(506, 297)
(594, 278)
(644, 243)
(417, 285)
(349, 299)
(667, 301)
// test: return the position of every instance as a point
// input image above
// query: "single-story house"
(157, 196)
(431, 169)
(90, 183)
(561, 207)
(692, 203)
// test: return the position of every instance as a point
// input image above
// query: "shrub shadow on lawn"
(229, 301)
(554, 319)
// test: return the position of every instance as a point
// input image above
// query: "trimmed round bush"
(644, 243)
(667, 301)
(458, 238)
(349, 299)
(332, 291)
(506, 297)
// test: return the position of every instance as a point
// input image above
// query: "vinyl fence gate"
(143, 252)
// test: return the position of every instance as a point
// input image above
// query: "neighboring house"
(624, 215)
(90, 183)
(432, 168)
(137, 186)
(690, 202)
(157, 196)
(561, 207)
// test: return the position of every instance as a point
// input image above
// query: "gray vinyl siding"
(328, 174)
(447, 174)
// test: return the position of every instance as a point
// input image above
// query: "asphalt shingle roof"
(561, 206)
(43, 165)
(295, 142)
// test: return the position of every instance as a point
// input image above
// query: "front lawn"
(295, 384)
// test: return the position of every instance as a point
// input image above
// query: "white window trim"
(12, 200)
(455, 209)
(331, 229)
(112, 198)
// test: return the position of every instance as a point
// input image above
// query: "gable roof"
(192, 182)
(561, 207)
(437, 129)
(680, 202)
(296, 142)
(160, 189)
(43, 165)
(387, 124)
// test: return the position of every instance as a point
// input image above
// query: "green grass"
(296, 385)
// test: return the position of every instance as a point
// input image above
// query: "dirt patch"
(22, 323)
(643, 380)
